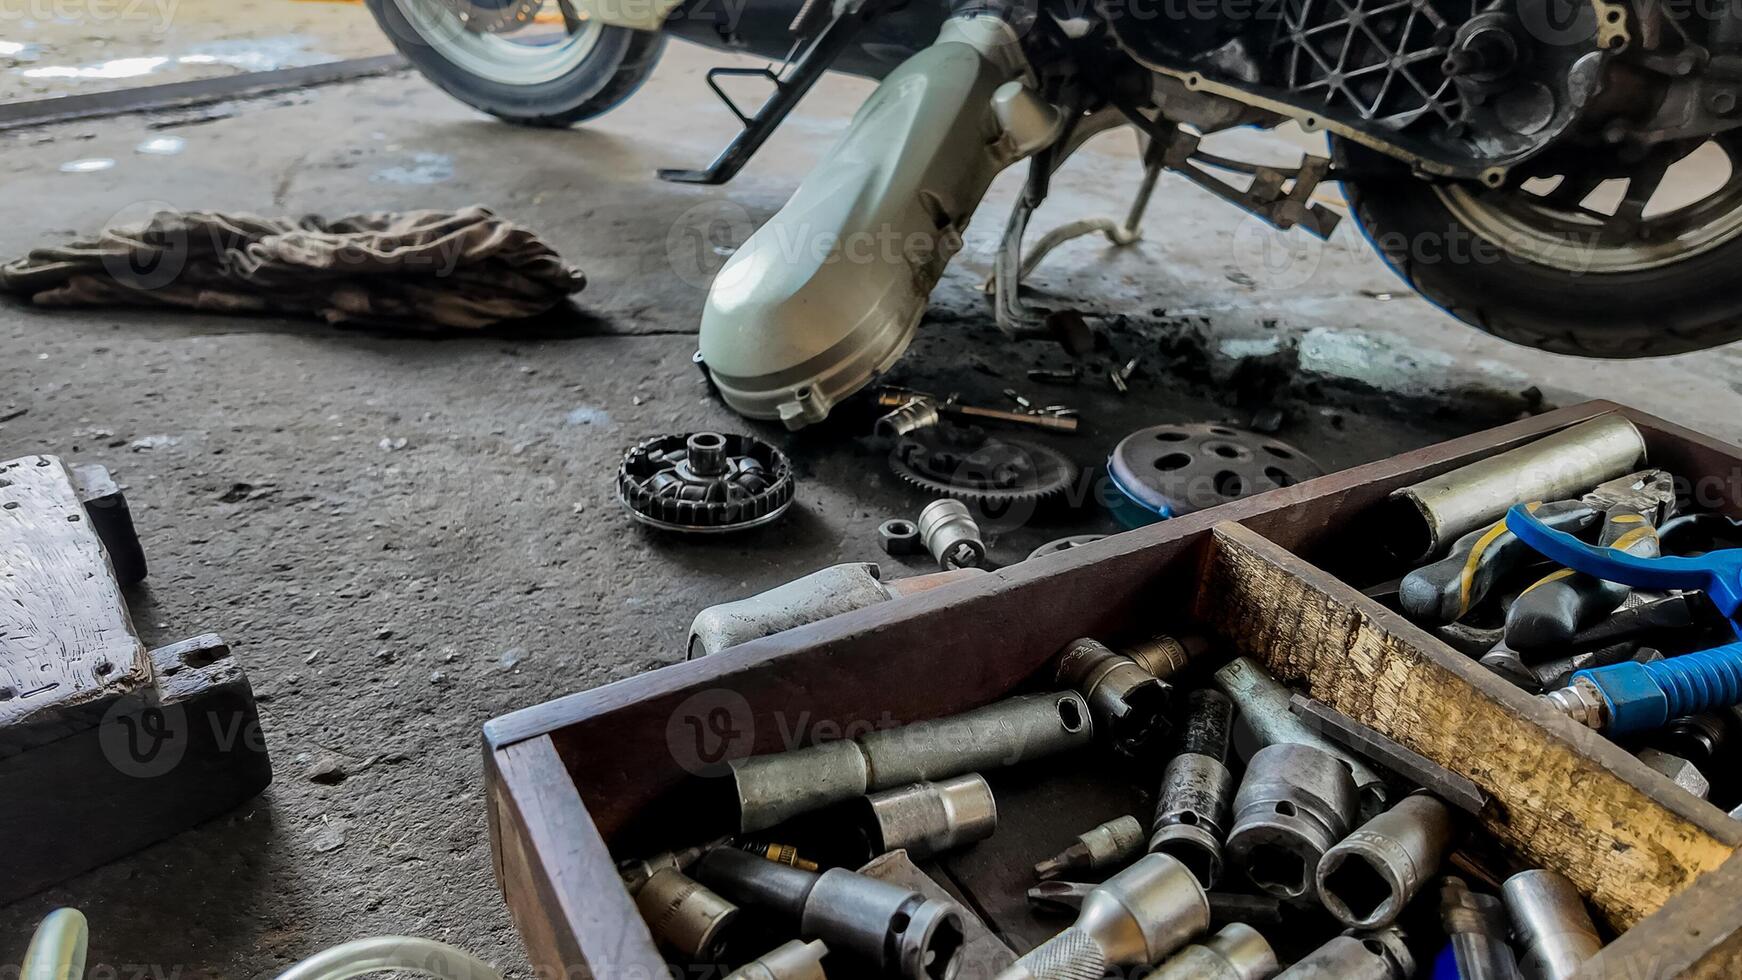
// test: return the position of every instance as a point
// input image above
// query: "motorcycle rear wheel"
(1543, 268)
(537, 75)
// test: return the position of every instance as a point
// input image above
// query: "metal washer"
(1169, 470)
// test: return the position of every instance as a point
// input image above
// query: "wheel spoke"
(1626, 223)
(1571, 192)
(572, 20)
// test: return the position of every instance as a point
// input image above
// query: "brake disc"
(965, 464)
(494, 16)
(1169, 470)
(705, 482)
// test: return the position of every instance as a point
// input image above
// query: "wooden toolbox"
(608, 773)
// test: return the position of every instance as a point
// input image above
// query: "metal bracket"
(809, 66)
(1272, 196)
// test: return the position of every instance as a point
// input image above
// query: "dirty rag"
(466, 268)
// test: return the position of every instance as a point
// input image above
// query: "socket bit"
(778, 853)
(1129, 704)
(1135, 918)
(776, 787)
(1111, 844)
(1366, 880)
(685, 916)
(636, 872)
(1555, 933)
(1477, 926)
(1238, 952)
(899, 931)
(929, 818)
(1380, 955)
(1294, 804)
(1263, 702)
(1191, 815)
(795, 960)
(1165, 656)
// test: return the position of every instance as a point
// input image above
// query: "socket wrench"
(795, 960)
(1238, 952)
(1368, 877)
(1294, 804)
(1129, 704)
(1191, 815)
(1555, 933)
(1135, 918)
(1378, 955)
(929, 818)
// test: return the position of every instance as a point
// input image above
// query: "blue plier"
(1632, 697)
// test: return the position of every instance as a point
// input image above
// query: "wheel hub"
(494, 16)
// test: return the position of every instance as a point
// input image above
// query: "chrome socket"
(685, 916)
(950, 534)
(773, 788)
(1381, 955)
(1477, 926)
(929, 818)
(1295, 803)
(1191, 814)
(1135, 918)
(1165, 656)
(913, 415)
(1366, 880)
(795, 960)
(1129, 704)
(1263, 702)
(1108, 845)
(1238, 952)
(899, 931)
(1555, 933)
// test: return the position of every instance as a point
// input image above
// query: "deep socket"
(1294, 804)
(1191, 814)
(1366, 879)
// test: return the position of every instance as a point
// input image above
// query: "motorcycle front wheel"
(1638, 262)
(555, 68)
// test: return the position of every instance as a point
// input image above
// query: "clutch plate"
(1169, 470)
(705, 482)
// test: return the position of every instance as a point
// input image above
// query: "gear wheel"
(967, 465)
(705, 483)
(494, 16)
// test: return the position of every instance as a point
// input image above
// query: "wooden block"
(66, 643)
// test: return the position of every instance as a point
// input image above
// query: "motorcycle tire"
(1685, 305)
(618, 63)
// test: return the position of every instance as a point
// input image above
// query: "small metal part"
(1381, 955)
(900, 536)
(1555, 933)
(929, 818)
(705, 483)
(1191, 813)
(1369, 876)
(1238, 952)
(1017, 397)
(1129, 704)
(1056, 376)
(1422, 519)
(1264, 710)
(983, 953)
(794, 960)
(636, 872)
(778, 786)
(1063, 544)
(918, 413)
(1169, 470)
(1121, 376)
(1476, 924)
(1135, 918)
(1293, 805)
(1105, 846)
(900, 931)
(895, 398)
(778, 853)
(951, 535)
(1457, 790)
(1580, 701)
(685, 916)
(1165, 656)
(970, 466)
(1680, 771)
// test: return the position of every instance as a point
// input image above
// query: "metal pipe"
(1378, 955)
(1367, 878)
(1129, 704)
(1423, 518)
(1135, 918)
(1553, 928)
(1477, 926)
(899, 931)
(1264, 709)
(685, 915)
(1294, 804)
(1105, 846)
(795, 960)
(772, 788)
(1238, 952)
(929, 818)
(1191, 813)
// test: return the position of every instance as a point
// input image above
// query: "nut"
(900, 537)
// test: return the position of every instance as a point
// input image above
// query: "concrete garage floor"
(387, 597)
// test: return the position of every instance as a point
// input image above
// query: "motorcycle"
(1563, 174)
